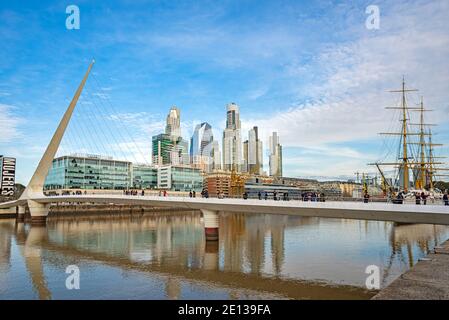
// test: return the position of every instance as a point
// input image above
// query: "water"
(165, 256)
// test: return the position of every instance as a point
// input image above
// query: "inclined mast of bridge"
(39, 211)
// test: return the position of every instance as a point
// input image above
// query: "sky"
(310, 70)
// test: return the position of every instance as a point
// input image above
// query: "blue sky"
(310, 70)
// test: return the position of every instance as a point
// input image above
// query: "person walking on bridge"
(260, 195)
(418, 198)
(446, 199)
(424, 198)
(366, 197)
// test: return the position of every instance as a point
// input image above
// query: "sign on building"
(7, 176)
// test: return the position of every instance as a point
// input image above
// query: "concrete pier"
(21, 213)
(210, 224)
(39, 212)
(427, 280)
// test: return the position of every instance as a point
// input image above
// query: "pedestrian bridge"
(39, 204)
(402, 213)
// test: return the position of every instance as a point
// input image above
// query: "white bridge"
(39, 204)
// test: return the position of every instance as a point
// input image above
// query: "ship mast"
(404, 164)
(420, 182)
(424, 166)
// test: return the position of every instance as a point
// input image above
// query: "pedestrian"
(446, 199)
(143, 192)
(417, 198)
(260, 195)
(266, 195)
(165, 193)
(274, 196)
(424, 198)
(322, 197)
(194, 193)
(190, 194)
(366, 197)
(245, 195)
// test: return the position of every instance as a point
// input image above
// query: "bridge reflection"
(249, 256)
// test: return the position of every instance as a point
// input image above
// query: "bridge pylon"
(35, 187)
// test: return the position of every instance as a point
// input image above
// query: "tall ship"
(410, 165)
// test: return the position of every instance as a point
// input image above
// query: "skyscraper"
(173, 125)
(170, 147)
(275, 156)
(232, 142)
(201, 147)
(216, 156)
(252, 149)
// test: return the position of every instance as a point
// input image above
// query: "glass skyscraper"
(232, 142)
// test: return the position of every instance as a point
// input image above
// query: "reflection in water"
(165, 256)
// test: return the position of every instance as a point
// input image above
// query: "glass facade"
(76, 172)
(180, 178)
(144, 177)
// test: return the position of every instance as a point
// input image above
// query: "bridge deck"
(403, 213)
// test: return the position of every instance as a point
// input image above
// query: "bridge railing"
(270, 196)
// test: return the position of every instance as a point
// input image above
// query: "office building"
(88, 172)
(232, 143)
(170, 147)
(179, 178)
(143, 176)
(173, 123)
(275, 156)
(253, 153)
(201, 147)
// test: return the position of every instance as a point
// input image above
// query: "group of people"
(421, 198)
(133, 192)
(313, 196)
(204, 194)
(265, 195)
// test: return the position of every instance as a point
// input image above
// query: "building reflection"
(174, 244)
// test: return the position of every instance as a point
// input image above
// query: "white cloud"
(9, 124)
(348, 104)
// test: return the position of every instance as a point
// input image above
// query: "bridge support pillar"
(211, 257)
(39, 212)
(21, 213)
(210, 224)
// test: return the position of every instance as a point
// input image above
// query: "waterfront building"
(217, 183)
(252, 189)
(179, 178)
(144, 176)
(232, 142)
(275, 156)
(88, 172)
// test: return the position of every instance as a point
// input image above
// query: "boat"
(414, 166)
